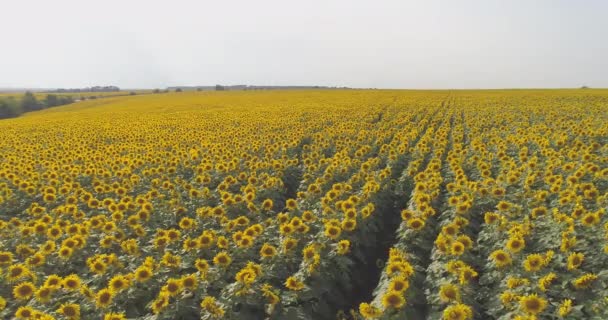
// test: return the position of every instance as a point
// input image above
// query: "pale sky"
(382, 44)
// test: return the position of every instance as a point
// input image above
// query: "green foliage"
(9, 108)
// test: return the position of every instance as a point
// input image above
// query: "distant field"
(76, 95)
(355, 204)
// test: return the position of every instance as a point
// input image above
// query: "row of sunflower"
(400, 291)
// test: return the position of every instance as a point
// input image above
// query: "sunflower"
(546, 281)
(457, 248)
(171, 260)
(210, 305)
(458, 312)
(349, 224)
(584, 281)
(16, 272)
(71, 282)
(501, 258)
(65, 252)
(70, 311)
(532, 304)
(289, 244)
(160, 303)
(294, 284)
(268, 251)
(187, 223)
(368, 311)
(43, 294)
(343, 247)
(515, 244)
(399, 283)
(114, 316)
(466, 273)
(267, 204)
(189, 281)
(332, 232)
(118, 283)
(24, 290)
(143, 273)
(590, 219)
(2, 303)
(534, 262)
(393, 299)
(449, 293)
(103, 298)
(575, 260)
(415, 224)
(222, 259)
(25, 313)
(172, 287)
(565, 308)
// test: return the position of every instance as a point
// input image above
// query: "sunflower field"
(335, 204)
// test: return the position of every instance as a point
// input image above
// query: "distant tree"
(65, 100)
(178, 90)
(51, 100)
(9, 108)
(29, 102)
(132, 93)
(199, 89)
(92, 97)
(166, 91)
(219, 87)
(156, 91)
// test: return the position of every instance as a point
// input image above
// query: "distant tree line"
(11, 107)
(90, 89)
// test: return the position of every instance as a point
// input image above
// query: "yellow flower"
(368, 311)
(268, 251)
(104, 298)
(393, 299)
(114, 316)
(515, 244)
(343, 247)
(585, 280)
(457, 248)
(43, 294)
(119, 283)
(546, 281)
(415, 224)
(458, 312)
(449, 293)
(501, 258)
(71, 282)
(24, 290)
(143, 273)
(222, 259)
(534, 262)
(399, 283)
(565, 308)
(575, 260)
(210, 305)
(25, 313)
(292, 283)
(532, 304)
(70, 311)
(332, 232)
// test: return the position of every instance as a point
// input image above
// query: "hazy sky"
(384, 44)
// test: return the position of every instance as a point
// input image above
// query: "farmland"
(354, 204)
